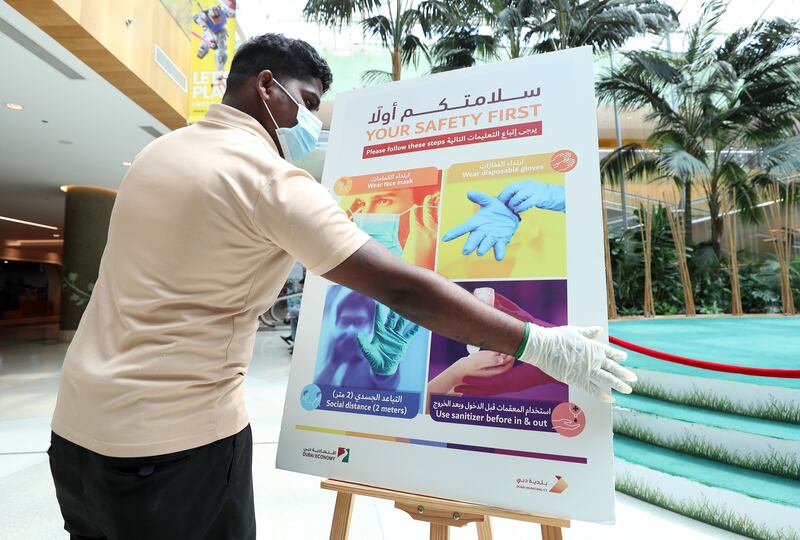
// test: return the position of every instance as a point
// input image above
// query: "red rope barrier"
(713, 366)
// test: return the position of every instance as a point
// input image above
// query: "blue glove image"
(521, 196)
(492, 226)
(390, 337)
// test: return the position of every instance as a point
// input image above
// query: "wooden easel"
(440, 513)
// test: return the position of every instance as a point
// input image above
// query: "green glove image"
(391, 335)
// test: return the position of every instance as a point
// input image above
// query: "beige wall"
(95, 31)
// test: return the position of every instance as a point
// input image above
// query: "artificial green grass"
(773, 409)
(696, 415)
(705, 511)
(771, 462)
(714, 474)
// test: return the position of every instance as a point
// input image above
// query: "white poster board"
(372, 401)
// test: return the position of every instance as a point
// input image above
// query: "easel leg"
(340, 528)
(551, 533)
(484, 528)
(440, 532)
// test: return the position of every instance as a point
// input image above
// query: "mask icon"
(382, 227)
(297, 141)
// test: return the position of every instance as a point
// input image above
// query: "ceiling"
(75, 128)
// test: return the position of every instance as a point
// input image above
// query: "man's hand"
(420, 247)
(492, 226)
(572, 355)
(390, 337)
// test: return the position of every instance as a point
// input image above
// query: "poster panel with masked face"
(213, 37)
(490, 177)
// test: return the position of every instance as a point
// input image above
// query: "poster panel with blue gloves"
(490, 177)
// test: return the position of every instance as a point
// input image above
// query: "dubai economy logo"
(343, 455)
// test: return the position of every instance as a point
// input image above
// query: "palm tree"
(396, 22)
(726, 114)
(601, 24)
(547, 24)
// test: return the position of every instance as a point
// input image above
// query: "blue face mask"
(383, 228)
(297, 141)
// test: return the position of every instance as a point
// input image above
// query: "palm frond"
(783, 158)
(378, 26)
(679, 163)
(376, 76)
(461, 48)
(631, 160)
(702, 34)
(337, 13)
(411, 48)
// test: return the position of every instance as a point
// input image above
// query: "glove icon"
(390, 338)
(492, 226)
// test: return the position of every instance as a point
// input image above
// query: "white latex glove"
(571, 355)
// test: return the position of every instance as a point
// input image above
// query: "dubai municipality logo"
(543, 485)
(559, 486)
(343, 455)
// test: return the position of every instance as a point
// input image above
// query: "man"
(150, 435)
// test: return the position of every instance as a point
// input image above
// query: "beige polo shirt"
(203, 234)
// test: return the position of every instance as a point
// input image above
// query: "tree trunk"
(716, 232)
(715, 212)
(396, 65)
(687, 212)
(513, 51)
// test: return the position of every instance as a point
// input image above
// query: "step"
(743, 501)
(753, 443)
(777, 403)
(729, 340)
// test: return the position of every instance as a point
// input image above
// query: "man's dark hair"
(287, 58)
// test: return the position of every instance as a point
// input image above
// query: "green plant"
(761, 287)
(725, 114)
(77, 296)
(628, 268)
(710, 280)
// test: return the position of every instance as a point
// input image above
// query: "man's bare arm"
(428, 299)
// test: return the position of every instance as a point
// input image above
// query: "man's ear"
(264, 81)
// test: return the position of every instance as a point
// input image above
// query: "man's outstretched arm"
(569, 354)
(428, 299)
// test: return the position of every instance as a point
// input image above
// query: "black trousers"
(202, 493)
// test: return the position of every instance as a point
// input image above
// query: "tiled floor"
(289, 506)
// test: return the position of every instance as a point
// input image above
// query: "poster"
(374, 398)
(213, 38)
